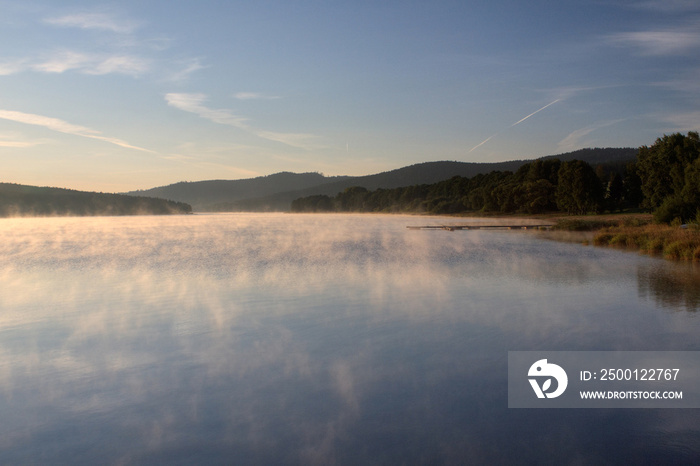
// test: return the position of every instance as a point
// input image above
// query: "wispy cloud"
(187, 68)
(667, 6)
(300, 140)
(62, 61)
(62, 126)
(12, 67)
(121, 64)
(570, 92)
(116, 55)
(254, 96)
(115, 46)
(659, 42)
(97, 21)
(194, 103)
(573, 141)
(688, 82)
(198, 163)
(682, 121)
(16, 142)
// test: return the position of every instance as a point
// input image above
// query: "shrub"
(619, 239)
(673, 210)
(575, 224)
(602, 238)
(654, 245)
(678, 250)
(634, 222)
(673, 242)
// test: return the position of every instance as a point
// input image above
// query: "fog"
(291, 337)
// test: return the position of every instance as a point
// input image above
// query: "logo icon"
(546, 371)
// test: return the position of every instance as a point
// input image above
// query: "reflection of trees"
(674, 286)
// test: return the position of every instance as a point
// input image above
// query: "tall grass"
(672, 242)
(578, 224)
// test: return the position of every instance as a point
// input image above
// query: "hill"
(598, 156)
(21, 200)
(421, 173)
(276, 192)
(204, 195)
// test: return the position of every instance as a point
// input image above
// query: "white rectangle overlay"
(604, 379)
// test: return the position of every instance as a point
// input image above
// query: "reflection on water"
(673, 286)
(317, 339)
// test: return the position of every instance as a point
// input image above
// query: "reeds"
(673, 242)
(579, 224)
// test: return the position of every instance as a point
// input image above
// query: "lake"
(319, 339)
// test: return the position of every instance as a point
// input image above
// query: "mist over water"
(318, 339)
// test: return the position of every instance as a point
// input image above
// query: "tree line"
(22, 200)
(664, 178)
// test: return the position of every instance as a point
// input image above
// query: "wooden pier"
(481, 227)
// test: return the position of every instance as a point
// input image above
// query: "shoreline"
(636, 232)
(627, 231)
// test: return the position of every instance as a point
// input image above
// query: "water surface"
(318, 339)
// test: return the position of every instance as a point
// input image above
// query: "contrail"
(514, 124)
(482, 142)
(537, 111)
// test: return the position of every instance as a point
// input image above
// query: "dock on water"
(481, 227)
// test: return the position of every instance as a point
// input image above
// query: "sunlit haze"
(129, 95)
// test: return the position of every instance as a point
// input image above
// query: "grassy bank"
(638, 233)
(671, 242)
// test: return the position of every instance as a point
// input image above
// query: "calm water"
(319, 339)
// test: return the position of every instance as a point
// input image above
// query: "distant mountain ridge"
(421, 173)
(276, 192)
(202, 194)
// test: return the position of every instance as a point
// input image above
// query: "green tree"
(691, 190)
(315, 203)
(662, 166)
(579, 189)
(352, 199)
(632, 187)
(539, 196)
(686, 204)
(615, 192)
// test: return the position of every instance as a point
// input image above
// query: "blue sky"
(127, 95)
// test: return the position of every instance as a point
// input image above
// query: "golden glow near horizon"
(132, 96)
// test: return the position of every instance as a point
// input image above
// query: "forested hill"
(598, 156)
(664, 179)
(276, 192)
(22, 200)
(427, 172)
(204, 195)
